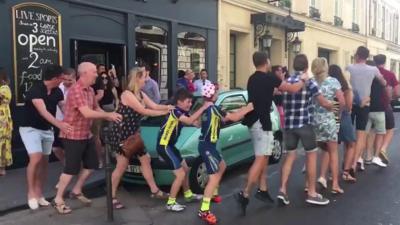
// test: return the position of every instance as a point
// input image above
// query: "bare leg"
(324, 163)
(349, 155)
(148, 172)
(83, 176)
(311, 170)
(185, 184)
(286, 170)
(177, 184)
(41, 175)
(263, 177)
(360, 145)
(387, 140)
(378, 143)
(122, 164)
(370, 145)
(64, 180)
(31, 174)
(334, 163)
(214, 181)
(254, 173)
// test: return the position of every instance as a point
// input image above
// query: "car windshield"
(156, 121)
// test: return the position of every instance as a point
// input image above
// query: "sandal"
(159, 195)
(346, 176)
(61, 208)
(81, 198)
(337, 191)
(117, 204)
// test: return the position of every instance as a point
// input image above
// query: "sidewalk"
(96, 214)
(13, 186)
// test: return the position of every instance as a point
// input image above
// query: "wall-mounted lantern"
(296, 45)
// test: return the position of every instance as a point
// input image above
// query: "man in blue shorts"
(167, 138)
(212, 120)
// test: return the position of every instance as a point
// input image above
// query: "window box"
(338, 21)
(355, 28)
(315, 14)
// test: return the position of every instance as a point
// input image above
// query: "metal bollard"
(108, 171)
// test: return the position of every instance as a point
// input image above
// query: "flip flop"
(337, 191)
(117, 204)
(81, 198)
(61, 208)
(159, 195)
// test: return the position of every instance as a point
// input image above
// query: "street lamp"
(296, 44)
(266, 41)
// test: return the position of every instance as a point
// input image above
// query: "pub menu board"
(37, 43)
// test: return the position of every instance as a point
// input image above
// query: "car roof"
(224, 94)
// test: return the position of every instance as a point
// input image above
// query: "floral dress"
(324, 122)
(6, 126)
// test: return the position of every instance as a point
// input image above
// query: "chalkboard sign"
(37, 43)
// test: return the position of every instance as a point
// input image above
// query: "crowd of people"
(66, 112)
(319, 114)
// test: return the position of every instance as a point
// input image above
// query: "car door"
(234, 143)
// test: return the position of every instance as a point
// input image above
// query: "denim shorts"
(346, 132)
(263, 141)
(37, 141)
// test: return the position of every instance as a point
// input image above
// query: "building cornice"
(259, 7)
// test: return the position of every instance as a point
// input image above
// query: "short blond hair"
(319, 67)
(135, 74)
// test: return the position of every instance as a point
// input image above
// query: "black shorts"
(171, 156)
(80, 153)
(57, 140)
(389, 118)
(360, 117)
(304, 134)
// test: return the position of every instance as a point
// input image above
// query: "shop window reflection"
(152, 51)
(191, 51)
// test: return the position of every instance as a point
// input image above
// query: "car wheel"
(198, 176)
(277, 149)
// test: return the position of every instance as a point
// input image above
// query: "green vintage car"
(234, 144)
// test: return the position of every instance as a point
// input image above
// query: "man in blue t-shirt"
(167, 138)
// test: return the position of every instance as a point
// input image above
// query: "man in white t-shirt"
(69, 80)
(201, 82)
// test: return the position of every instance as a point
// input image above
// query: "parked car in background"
(234, 144)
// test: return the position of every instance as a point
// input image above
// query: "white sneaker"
(361, 163)
(194, 198)
(322, 181)
(43, 202)
(377, 161)
(176, 207)
(33, 203)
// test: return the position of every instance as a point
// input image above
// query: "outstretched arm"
(238, 115)
(190, 120)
